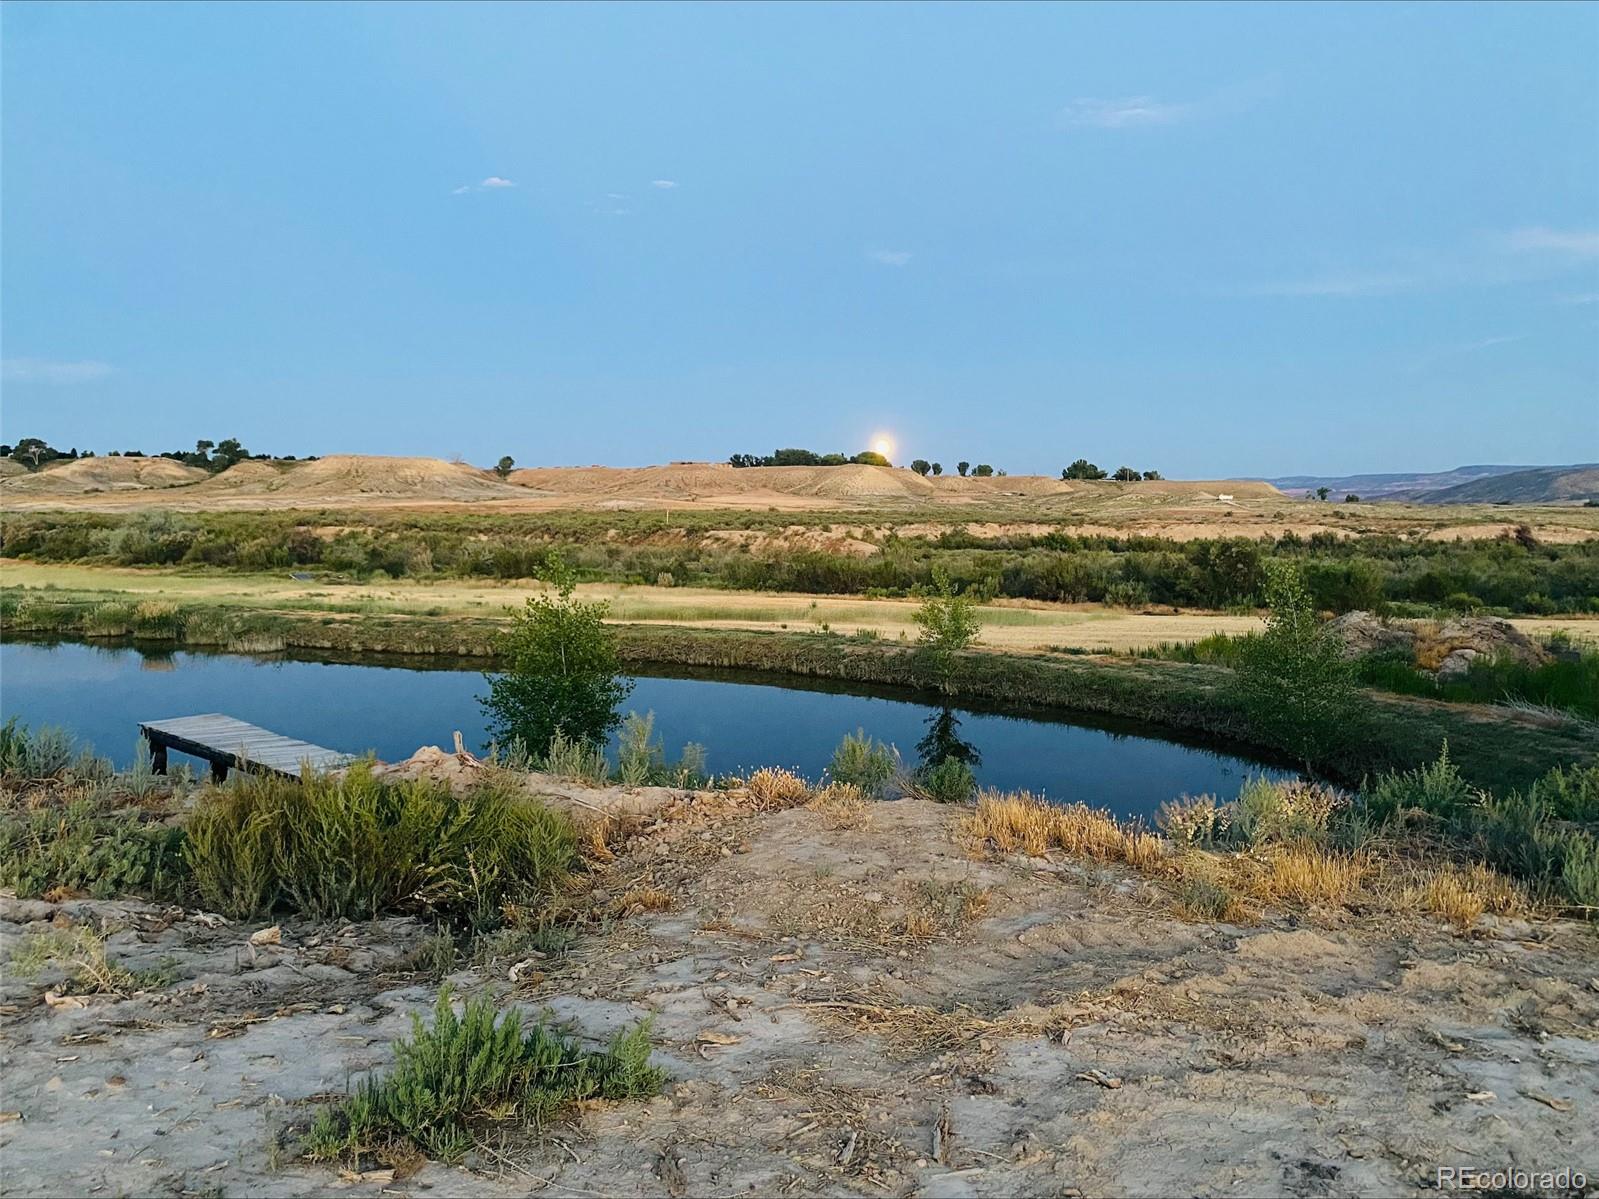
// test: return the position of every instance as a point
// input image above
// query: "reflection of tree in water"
(943, 741)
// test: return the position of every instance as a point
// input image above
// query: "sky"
(1212, 240)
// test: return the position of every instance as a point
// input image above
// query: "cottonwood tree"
(938, 468)
(1125, 474)
(949, 624)
(962, 467)
(1292, 682)
(504, 465)
(1082, 469)
(563, 674)
(921, 466)
(982, 470)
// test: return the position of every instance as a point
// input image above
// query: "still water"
(391, 706)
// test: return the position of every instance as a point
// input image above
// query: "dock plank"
(227, 742)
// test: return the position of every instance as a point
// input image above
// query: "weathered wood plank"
(226, 742)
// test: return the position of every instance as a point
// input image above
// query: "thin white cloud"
(1124, 114)
(1591, 297)
(890, 257)
(40, 370)
(1581, 243)
(664, 184)
(492, 183)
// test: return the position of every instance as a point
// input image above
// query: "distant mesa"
(1464, 485)
(363, 480)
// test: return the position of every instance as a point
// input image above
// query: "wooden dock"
(229, 744)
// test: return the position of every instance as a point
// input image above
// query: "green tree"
(504, 465)
(1082, 469)
(982, 470)
(938, 468)
(1323, 492)
(563, 674)
(1351, 498)
(1125, 474)
(871, 458)
(1152, 476)
(921, 466)
(962, 467)
(949, 624)
(1293, 684)
(1229, 570)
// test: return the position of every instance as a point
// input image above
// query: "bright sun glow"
(883, 445)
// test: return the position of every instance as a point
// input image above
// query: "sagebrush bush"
(949, 781)
(864, 762)
(455, 1074)
(355, 846)
(1436, 788)
(85, 848)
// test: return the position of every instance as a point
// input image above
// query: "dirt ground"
(843, 1008)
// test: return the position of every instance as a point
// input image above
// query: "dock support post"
(158, 754)
(219, 770)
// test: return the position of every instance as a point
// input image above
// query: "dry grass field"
(1007, 625)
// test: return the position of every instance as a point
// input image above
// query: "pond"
(391, 706)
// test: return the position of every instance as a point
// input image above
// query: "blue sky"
(1214, 240)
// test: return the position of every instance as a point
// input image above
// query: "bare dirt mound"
(356, 476)
(10, 467)
(84, 475)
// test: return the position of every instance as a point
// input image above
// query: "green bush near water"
(357, 847)
(864, 762)
(451, 1076)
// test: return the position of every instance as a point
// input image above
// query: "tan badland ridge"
(366, 480)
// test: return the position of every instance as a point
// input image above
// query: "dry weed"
(772, 788)
(1314, 877)
(842, 806)
(1021, 823)
(1461, 896)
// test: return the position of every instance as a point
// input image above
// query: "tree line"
(214, 456)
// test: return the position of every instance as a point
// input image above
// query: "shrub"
(864, 762)
(1292, 682)
(84, 849)
(1436, 788)
(570, 758)
(451, 1076)
(563, 673)
(1284, 812)
(949, 781)
(354, 846)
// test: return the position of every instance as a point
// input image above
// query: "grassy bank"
(1045, 558)
(1492, 748)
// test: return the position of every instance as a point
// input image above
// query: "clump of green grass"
(574, 758)
(81, 952)
(466, 1070)
(864, 762)
(355, 846)
(641, 760)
